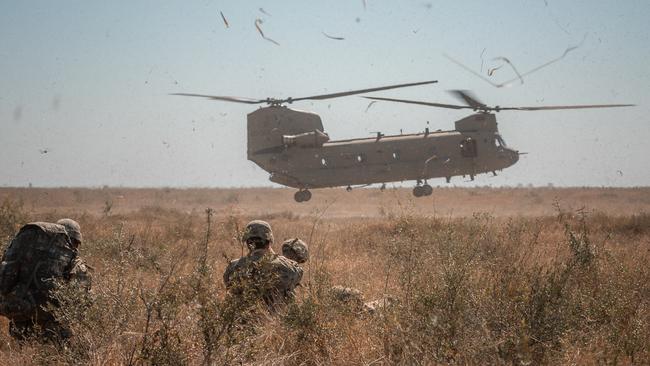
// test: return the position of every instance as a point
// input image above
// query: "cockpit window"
(499, 141)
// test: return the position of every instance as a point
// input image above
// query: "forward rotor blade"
(450, 106)
(224, 98)
(557, 107)
(468, 98)
(354, 92)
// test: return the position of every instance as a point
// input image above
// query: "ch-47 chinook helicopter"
(294, 148)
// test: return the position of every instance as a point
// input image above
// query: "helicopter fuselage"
(292, 147)
(390, 158)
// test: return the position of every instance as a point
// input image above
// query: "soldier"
(296, 250)
(262, 273)
(353, 299)
(348, 296)
(39, 257)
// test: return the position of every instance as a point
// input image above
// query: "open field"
(447, 202)
(480, 276)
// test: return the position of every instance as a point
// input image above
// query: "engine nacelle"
(267, 126)
(314, 138)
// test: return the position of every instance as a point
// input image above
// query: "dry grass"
(553, 285)
(371, 202)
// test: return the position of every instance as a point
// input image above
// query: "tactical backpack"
(39, 255)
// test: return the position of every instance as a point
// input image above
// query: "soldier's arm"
(227, 274)
(80, 274)
(290, 274)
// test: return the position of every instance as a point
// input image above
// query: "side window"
(361, 158)
(468, 148)
(499, 141)
(323, 163)
(396, 155)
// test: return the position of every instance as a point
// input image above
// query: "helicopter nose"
(512, 156)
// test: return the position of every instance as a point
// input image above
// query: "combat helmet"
(72, 228)
(295, 249)
(258, 229)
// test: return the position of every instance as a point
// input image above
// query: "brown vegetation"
(371, 202)
(559, 285)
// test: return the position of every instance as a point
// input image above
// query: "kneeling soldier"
(262, 273)
(38, 257)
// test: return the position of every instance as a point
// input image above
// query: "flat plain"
(445, 202)
(473, 276)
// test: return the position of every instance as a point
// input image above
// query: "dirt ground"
(337, 203)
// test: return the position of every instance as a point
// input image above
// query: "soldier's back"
(263, 274)
(288, 272)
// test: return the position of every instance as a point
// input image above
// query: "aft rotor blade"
(450, 106)
(354, 92)
(224, 98)
(557, 107)
(468, 98)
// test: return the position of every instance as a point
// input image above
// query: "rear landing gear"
(422, 190)
(302, 195)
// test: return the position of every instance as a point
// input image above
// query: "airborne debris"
(519, 76)
(482, 52)
(504, 59)
(225, 21)
(365, 5)
(18, 113)
(56, 103)
(264, 12)
(370, 105)
(259, 21)
(332, 37)
(44, 150)
(491, 71)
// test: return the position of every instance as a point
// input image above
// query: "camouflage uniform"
(384, 303)
(347, 296)
(353, 298)
(262, 273)
(295, 249)
(40, 255)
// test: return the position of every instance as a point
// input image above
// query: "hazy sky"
(84, 84)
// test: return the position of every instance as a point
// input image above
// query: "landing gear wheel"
(302, 196)
(349, 189)
(421, 191)
(427, 190)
